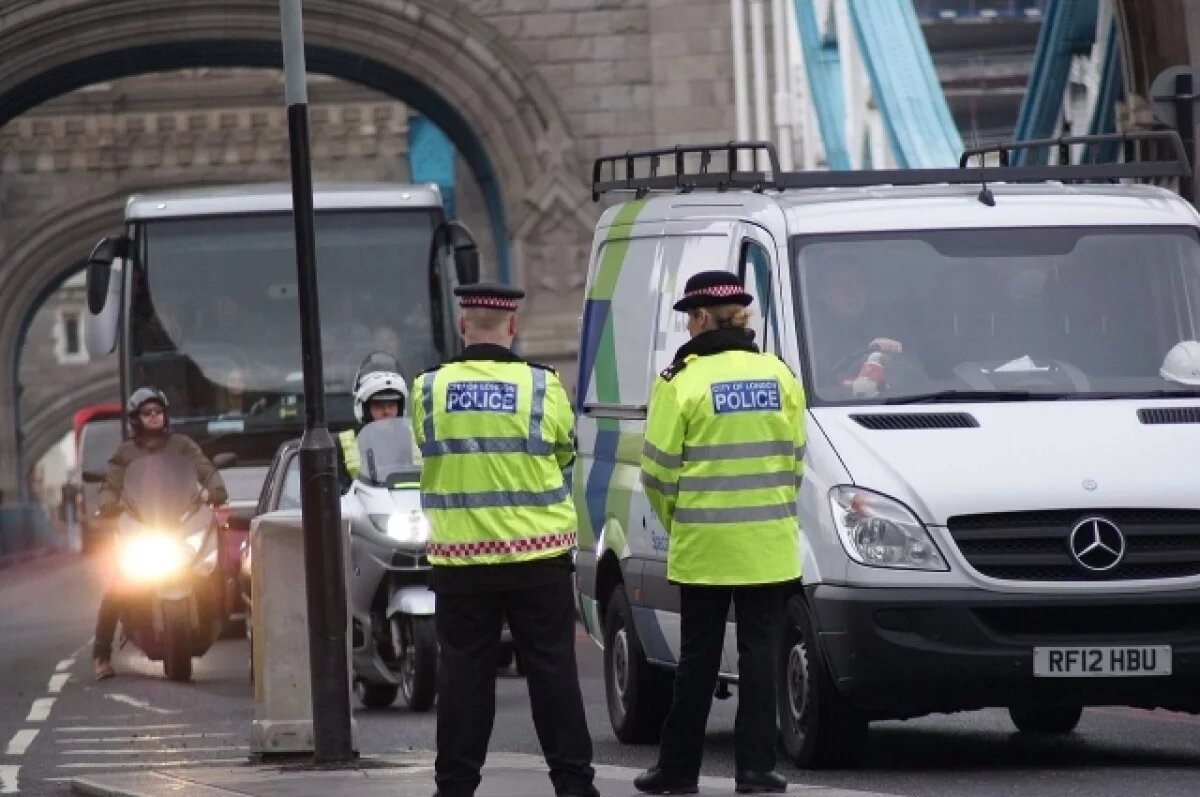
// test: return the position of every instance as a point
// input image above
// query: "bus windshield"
(214, 314)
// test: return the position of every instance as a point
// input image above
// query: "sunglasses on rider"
(150, 412)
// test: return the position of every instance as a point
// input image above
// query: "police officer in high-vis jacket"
(495, 432)
(721, 465)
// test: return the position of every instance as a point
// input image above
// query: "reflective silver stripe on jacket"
(715, 453)
(486, 445)
(660, 457)
(754, 481)
(740, 514)
(497, 498)
(652, 483)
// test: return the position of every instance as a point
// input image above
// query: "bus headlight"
(151, 557)
(881, 532)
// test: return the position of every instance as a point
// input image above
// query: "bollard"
(283, 715)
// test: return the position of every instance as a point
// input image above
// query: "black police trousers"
(542, 622)
(703, 613)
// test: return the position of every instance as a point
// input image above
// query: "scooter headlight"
(880, 531)
(410, 528)
(151, 557)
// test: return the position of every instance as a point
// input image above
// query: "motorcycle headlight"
(410, 527)
(151, 557)
(881, 532)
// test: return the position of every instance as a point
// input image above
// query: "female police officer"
(721, 465)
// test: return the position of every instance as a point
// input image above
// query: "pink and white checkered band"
(488, 301)
(453, 550)
(717, 290)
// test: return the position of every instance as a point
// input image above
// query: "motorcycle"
(393, 638)
(167, 546)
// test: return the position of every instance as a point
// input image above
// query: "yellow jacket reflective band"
(494, 437)
(349, 443)
(721, 464)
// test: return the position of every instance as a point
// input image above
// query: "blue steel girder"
(920, 129)
(823, 65)
(1068, 29)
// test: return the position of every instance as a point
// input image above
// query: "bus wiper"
(964, 396)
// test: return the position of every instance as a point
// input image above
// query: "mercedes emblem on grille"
(1097, 544)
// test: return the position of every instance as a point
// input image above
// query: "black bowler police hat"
(709, 288)
(489, 294)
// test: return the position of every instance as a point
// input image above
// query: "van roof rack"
(691, 167)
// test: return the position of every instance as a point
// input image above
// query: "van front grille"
(1036, 546)
(1129, 622)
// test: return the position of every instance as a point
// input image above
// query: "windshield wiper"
(965, 396)
(1138, 394)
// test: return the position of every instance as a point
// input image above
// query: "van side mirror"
(99, 269)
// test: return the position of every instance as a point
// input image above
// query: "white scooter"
(394, 641)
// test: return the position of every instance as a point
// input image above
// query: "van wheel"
(1045, 719)
(819, 728)
(639, 694)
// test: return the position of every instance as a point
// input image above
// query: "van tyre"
(819, 729)
(639, 694)
(1045, 719)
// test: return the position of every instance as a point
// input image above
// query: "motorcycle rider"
(147, 413)
(378, 395)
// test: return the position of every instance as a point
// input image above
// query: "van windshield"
(1000, 314)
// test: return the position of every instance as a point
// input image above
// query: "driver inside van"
(846, 319)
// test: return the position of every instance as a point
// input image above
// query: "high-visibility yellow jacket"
(721, 465)
(495, 436)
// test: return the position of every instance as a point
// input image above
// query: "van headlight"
(881, 532)
(410, 528)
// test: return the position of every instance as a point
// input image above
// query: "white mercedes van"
(1002, 500)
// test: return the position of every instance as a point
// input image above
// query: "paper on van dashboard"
(1020, 364)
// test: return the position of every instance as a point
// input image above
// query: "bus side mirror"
(99, 270)
(466, 252)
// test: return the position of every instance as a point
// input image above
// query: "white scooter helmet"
(380, 386)
(1182, 364)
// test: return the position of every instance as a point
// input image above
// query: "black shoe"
(655, 781)
(581, 791)
(751, 782)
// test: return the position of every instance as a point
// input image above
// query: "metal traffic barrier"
(283, 708)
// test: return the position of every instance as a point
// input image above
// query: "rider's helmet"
(379, 386)
(1182, 363)
(141, 397)
(375, 362)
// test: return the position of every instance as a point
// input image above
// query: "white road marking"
(131, 739)
(153, 765)
(65, 665)
(142, 704)
(57, 682)
(40, 710)
(8, 779)
(101, 728)
(21, 741)
(163, 751)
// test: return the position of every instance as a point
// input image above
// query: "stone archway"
(436, 55)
